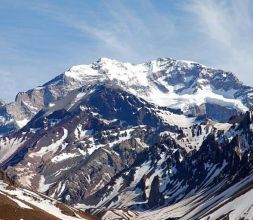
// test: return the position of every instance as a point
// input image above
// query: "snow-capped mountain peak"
(166, 82)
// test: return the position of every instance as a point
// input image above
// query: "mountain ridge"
(164, 82)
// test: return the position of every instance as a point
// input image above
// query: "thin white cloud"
(125, 33)
(227, 25)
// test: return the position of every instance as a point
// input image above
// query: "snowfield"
(164, 82)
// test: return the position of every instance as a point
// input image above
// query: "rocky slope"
(105, 136)
(18, 203)
(165, 139)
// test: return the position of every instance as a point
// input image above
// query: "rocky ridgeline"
(164, 82)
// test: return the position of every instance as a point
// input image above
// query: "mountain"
(166, 139)
(189, 86)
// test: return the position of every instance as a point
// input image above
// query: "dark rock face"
(219, 113)
(155, 197)
(113, 104)
(214, 112)
(7, 126)
(5, 178)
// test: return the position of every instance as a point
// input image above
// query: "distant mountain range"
(166, 139)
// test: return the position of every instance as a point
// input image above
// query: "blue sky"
(41, 39)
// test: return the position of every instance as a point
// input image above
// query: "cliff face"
(156, 198)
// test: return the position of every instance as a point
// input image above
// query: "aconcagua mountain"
(165, 139)
(192, 87)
